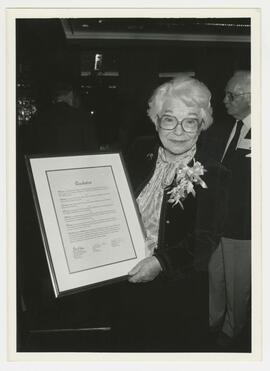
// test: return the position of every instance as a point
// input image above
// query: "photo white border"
(39, 13)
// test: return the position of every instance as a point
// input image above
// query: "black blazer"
(214, 140)
(187, 237)
(238, 220)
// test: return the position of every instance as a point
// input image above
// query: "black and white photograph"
(160, 243)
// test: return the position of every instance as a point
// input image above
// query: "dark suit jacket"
(214, 140)
(238, 218)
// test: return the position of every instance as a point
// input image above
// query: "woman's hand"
(146, 270)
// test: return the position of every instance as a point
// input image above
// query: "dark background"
(137, 56)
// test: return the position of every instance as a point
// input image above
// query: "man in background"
(64, 126)
(230, 265)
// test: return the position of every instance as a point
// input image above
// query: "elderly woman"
(181, 195)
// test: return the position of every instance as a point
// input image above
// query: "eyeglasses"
(232, 96)
(189, 124)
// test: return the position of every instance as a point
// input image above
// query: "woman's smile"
(180, 140)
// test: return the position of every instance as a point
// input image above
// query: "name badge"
(244, 144)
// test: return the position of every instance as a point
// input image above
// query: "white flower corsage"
(186, 178)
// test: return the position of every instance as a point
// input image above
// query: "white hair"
(243, 78)
(189, 90)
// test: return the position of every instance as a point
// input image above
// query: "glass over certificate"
(89, 222)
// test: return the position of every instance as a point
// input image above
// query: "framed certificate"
(90, 227)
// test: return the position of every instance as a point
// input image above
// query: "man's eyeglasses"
(231, 97)
(189, 124)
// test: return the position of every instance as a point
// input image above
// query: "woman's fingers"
(137, 273)
(146, 270)
(134, 279)
(135, 269)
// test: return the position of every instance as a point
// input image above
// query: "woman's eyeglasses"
(231, 97)
(189, 124)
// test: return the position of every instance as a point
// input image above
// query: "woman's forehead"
(177, 105)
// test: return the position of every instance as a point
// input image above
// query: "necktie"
(233, 144)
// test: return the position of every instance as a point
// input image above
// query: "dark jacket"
(186, 237)
(238, 219)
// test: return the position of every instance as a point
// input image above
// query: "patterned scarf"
(151, 197)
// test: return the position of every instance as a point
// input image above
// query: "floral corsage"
(186, 178)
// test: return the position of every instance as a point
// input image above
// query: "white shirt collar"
(245, 129)
(247, 121)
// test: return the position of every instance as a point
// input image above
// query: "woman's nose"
(178, 129)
